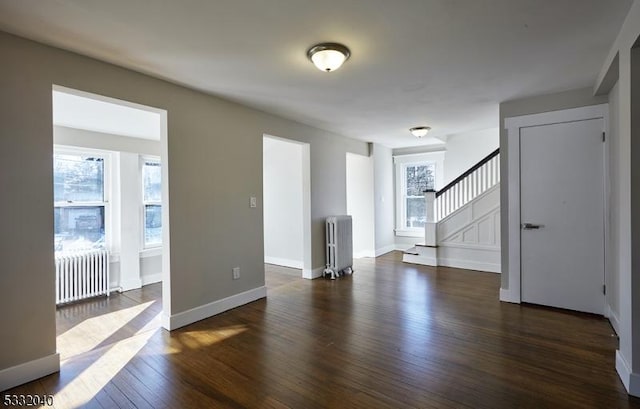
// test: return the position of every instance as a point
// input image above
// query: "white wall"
(461, 151)
(360, 203)
(384, 199)
(465, 150)
(282, 196)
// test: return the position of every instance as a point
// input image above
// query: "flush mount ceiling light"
(419, 131)
(328, 56)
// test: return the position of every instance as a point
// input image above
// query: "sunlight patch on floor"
(205, 338)
(92, 332)
(96, 376)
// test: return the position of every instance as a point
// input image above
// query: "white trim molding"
(402, 247)
(400, 161)
(613, 318)
(409, 233)
(507, 296)
(284, 262)
(630, 379)
(214, 308)
(364, 254)
(151, 252)
(312, 274)
(470, 265)
(513, 126)
(147, 279)
(385, 250)
(130, 284)
(29, 371)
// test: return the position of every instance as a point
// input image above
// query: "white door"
(562, 215)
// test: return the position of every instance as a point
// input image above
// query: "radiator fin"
(82, 274)
(339, 245)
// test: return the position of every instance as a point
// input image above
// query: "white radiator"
(81, 274)
(339, 246)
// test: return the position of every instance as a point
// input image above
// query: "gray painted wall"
(214, 164)
(533, 105)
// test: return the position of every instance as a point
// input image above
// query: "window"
(417, 178)
(152, 200)
(79, 201)
(415, 174)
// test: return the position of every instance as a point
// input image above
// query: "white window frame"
(107, 175)
(401, 163)
(143, 245)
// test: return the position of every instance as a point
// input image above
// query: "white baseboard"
(208, 310)
(418, 259)
(283, 262)
(363, 254)
(312, 274)
(130, 284)
(151, 278)
(507, 296)
(470, 265)
(630, 380)
(613, 319)
(29, 371)
(402, 247)
(385, 250)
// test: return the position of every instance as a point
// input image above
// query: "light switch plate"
(253, 202)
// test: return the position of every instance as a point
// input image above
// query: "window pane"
(152, 180)
(78, 178)
(416, 212)
(420, 178)
(152, 224)
(79, 228)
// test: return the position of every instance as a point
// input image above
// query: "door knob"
(531, 226)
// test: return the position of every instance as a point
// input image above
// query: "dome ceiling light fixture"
(420, 131)
(328, 56)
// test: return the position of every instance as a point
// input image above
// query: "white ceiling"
(442, 63)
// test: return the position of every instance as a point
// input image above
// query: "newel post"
(430, 225)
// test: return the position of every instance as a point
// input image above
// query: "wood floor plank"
(392, 335)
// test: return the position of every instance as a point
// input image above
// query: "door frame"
(513, 126)
(307, 268)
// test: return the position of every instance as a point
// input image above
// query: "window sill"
(151, 252)
(410, 233)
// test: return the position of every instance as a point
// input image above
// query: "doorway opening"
(110, 219)
(287, 205)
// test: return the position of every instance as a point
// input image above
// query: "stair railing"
(475, 181)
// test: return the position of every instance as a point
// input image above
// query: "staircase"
(463, 221)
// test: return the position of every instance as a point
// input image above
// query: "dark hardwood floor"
(392, 335)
